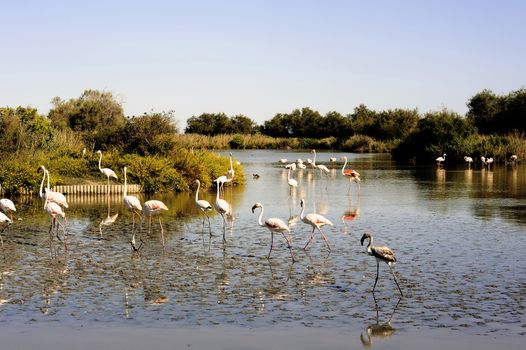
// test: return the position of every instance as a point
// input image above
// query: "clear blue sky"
(259, 58)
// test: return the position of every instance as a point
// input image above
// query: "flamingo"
(154, 207)
(54, 210)
(332, 159)
(292, 166)
(323, 168)
(221, 180)
(292, 182)
(7, 205)
(468, 160)
(513, 158)
(230, 172)
(488, 162)
(274, 225)
(106, 171)
(441, 159)
(255, 176)
(203, 205)
(316, 221)
(353, 175)
(483, 160)
(7, 220)
(54, 196)
(223, 208)
(381, 253)
(283, 160)
(134, 205)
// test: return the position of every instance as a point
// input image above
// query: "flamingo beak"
(364, 237)
(254, 208)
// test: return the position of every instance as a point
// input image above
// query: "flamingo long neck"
(288, 174)
(47, 173)
(344, 164)
(302, 216)
(314, 160)
(42, 184)
(231, 167)
(100, 160)
(125, 184)
(260, 218)
(370, 244)
(217, 193)
(197, 192)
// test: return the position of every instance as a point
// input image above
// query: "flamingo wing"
(7, 204)
(109, 173)
(155, 205)
(318, 219)
(132, 202)
(276, 224)
(4, 218)
(204, 205)
(57, 197)
(383, 253)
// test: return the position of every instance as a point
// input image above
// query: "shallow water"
(458, 234)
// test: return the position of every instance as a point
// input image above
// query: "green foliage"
(150, 134)
(365, 144)
(23, 129)
(16, 174)
(236, 142)
(219, 123)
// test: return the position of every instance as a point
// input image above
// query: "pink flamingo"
(203, 205)
(154, 207)
(106, 171)
(134, 205)
(316, 221)
(353, 175)
(54, 210)
(274, 225)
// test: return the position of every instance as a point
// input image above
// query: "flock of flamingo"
(55, 205)
(484, 161)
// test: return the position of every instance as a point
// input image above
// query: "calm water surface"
(458, 234)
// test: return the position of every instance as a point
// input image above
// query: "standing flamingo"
(54, 210)
(513, 158)
(221, 180)
(316, 221)
(154, 207)
(7, 205)
(292, 182)
(468, 160)
(134, 205)
(4, 219)
(230, 172)
(274, 225)
(323, 168)
(439, 160)
(223, 208)
(489, 161)
(106, 171)
(54, 196)
(203, 205)
(353, 175)
(381, 253)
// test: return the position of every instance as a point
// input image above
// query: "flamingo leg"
(1, 239)
(289, 246)
(394, 276)
(271, 244)
(162, 231)
(377, 272)
(310, 239)
(224, 227)
(209, 226)
(325, 239)
(64, 233)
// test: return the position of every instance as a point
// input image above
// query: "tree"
(243, 125)
(150, 133)
(22, 128)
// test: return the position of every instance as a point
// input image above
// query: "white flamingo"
(441, 159)
(323, 168)
(230, 173)
(513, 158)
(381, 253)
(353, 175)
(150, 208)
(274, 225)
(221, 180)
(223, 208)
(133, 204)
(6, 220)
(54, 210)
(106, 171)
(7, 205)
(292, 182)
(54, 196)
(203, 205)
(489, 161)
(468, 160)
(283, 160)
(317, 221)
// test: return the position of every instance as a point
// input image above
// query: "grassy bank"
(176, 171)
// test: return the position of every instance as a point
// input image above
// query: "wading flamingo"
(7, 205)
(292, 182)
(489, 161)
(513, 158)
(54, 196)
(274, 225)
(150, 208)
(468, 160)
(316, 221)
(439, 160)
(353, 175)
(223, 208)
(230, 173)
(323, 168)
(381, 253)
(54, 210)
(7, 221)
(203, 205)
(134, 205)
(106, 171)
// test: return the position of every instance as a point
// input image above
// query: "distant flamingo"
(274, 225)
(292, 182)
(4, 219)
(483, 161)
(441, 159)
(323, 168)
(381, 253)
(468, 160)
(203, 205)
(489, 161)
(7, 205)
(316, 221)
(223, 208)
(221, 180)
(230, 173)
(283, 160)
(353, 175)
(134, 205)
(106, 171)
(332, 159)
(513, 158)
(154, 207)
